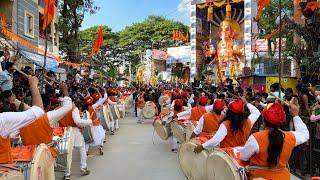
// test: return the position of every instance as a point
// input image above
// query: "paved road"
(131, 154)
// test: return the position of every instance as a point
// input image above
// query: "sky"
(118, 14)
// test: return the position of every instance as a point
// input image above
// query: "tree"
(71, 17)
(154, 32)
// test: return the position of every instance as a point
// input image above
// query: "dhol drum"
(10, 173)
(225, 164)
(128, 102)
(64, 147)
(163, 100)
(34, 162)
(101, 117)
(107, 118)
(121, 110)
(192, 164)
(87, 134)
(189, 129)
(178, 128)
(150, 110)
(162, 128)
(114, 112)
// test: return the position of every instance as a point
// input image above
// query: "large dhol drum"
(64, 147)
(192, 164)
(87, 134)
(178, 128)
(35, 163)
(114, 112)
(161, 126)
(128, 102)
(122, 110)
(163, 100)
(107, 118)
(189, 129)
(10, 173)
(225, 164)
(150, 110)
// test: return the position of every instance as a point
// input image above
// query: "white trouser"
(140, 114)
(83, 157)
(114, 125)
(174, 142)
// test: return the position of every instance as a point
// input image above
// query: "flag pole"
(45, 49)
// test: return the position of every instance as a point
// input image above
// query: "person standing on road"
(140, 105)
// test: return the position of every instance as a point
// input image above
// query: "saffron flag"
(313, 5)
(98, 42)
(261, 5)
(48, 13)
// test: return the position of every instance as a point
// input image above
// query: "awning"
(37, 59)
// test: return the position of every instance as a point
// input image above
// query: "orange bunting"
(98, 42)
(313, 5)
(178, 36)
(48, 13)
(14, 37)
(261, 5)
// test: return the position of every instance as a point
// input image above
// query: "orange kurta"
(260, 159)
(95, 120)
(5, 151)
(238, 138)
(37, 132)
(141, 103)
(211, 123)
(67, 120)
(197, 112)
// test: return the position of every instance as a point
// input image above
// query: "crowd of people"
(269, 126)
(34, 104)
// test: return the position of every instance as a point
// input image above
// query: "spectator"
(275, 90)
(6, 77)
(78, 77)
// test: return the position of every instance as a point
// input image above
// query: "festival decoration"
(14, 37)
(98, 42)
(312, 6)
(261, 5)
(229, 53)
(48, 13)
(180, 36)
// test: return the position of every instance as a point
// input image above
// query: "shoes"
(66, 177)
(174, 150)
(84, 172)
(101, 150)
(112, 132)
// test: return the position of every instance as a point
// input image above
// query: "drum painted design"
(65, 147)
(150, 110)
(220, 165)
(87, 134)
(178, 131)
(193, 165)
(163, 131)
(10, 174)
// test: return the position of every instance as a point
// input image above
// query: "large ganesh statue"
(228, 54)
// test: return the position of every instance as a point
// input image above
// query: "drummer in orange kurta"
(235, 128)
(269, 151)
(209, 122)
(196, 112)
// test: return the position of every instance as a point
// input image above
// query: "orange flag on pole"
(261, 5)
(98, 42)
(48, 13)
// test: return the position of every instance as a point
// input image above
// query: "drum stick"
(284, 102)
(21, 72)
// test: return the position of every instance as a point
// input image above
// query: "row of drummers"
(44, 141)
(216, 140)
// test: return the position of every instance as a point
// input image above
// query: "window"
(29, 24)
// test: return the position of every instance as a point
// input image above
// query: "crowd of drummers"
(41, 124)
(257, 132)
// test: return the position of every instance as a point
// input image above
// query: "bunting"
(48, 13)
(178, 36)
(261, 5)
(312, 6)
(98, 42)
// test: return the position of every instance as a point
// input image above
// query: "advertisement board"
(179, 54)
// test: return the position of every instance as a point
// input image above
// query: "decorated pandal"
(226, 50)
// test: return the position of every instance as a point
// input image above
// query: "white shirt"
(222, 131)
(56, 115)
(301, 134)
(78, 78)
(80, 122)
(13, 121)
(100, 101)
(188, 112)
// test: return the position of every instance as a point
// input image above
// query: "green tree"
(154, 32)
(71, 17)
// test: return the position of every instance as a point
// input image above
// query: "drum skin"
(220, 165)
(43, 161)
(163, 99)
(162, 130)
(106, 114)
(189, 130)
(64, 157)
(9, 174)
(192, 164)
(178, 131)
(150, 110)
